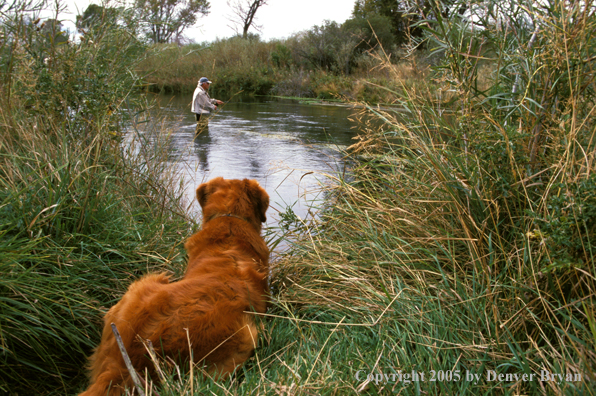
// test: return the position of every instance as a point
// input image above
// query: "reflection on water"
(284, 145)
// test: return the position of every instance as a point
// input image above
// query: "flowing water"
(285, 145)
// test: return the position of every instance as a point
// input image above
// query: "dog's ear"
(202, 194)
(206, 189)
(259, 198)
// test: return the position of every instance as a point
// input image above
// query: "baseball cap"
(204, 80)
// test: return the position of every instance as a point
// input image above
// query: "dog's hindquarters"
(107, 368)
(241, 346)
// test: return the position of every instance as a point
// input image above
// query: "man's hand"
(218, 101)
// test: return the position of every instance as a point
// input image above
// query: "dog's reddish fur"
(226, 276)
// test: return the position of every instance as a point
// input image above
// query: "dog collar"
(229, 215)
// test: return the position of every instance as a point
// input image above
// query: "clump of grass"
(82, 214)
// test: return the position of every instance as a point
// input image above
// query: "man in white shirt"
(202, 104)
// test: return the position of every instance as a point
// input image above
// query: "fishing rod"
(220, 107)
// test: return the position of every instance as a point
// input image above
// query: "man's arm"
(206, 102)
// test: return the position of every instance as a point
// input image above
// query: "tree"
(328, 47)
(52, 30)
(373, 30)
(404, 14)
(244, 14)
(166, 18)
(96, 15)
(396, 11)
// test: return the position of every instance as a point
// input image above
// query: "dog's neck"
(196, 245)
(227, 215)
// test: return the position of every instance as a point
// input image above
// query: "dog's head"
(242, 198)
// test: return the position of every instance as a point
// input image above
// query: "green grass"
(82, 213)
(76, 229)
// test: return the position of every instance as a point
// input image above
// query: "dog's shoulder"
(161, 277)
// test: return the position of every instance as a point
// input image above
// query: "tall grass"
(471, 216)
(82, 214)
(235, 64)
(276, 67)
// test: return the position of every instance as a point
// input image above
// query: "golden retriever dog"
(226, 277)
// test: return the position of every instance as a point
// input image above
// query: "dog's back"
(226, 277)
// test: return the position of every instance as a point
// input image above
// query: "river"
(289, 147)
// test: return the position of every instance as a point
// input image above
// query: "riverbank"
(253, 67)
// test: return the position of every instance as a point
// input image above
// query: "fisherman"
(202, 104)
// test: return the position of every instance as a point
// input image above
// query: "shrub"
(281, 56)
(373, 31)
(328, 47)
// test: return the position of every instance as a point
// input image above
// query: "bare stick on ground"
(131, 370)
